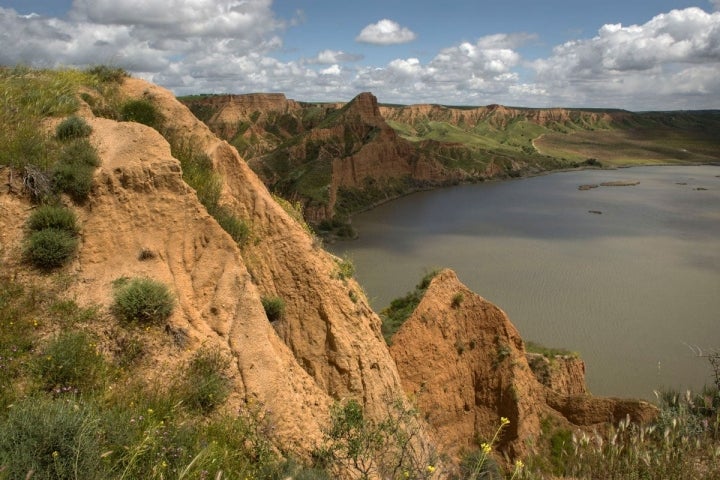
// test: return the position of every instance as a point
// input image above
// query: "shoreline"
(509, 179)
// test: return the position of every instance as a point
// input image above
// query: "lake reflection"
(629, 288)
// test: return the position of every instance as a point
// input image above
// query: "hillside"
(338, 159)
(164, 316)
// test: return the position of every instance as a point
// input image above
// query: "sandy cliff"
(464, 362)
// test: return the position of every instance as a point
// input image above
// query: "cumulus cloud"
(214, 46)
(329, 57)
(623, 62)
(385, 32)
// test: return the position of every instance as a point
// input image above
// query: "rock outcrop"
(464, 362)
(143, 220)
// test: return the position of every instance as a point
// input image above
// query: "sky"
(636, 55)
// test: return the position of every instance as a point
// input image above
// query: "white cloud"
(626, 64)
(332, 70)
(216, 46)
(385, 32)
(329, 57)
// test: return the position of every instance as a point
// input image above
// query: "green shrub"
(238, 229)
(50, 439)
(107, 74)
(205, 385)
(50, 248)
(274, 307)
(53, 216)
(142, 111)
(79, 152)
(457, 300)
(143, 300)
(69, 363)
(74, 180)
(73, 172)
(401, 308)
(72, 127)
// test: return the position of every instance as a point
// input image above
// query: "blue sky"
(649, 55)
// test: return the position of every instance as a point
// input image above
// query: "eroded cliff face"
(327, 346)
(465, 363)
(500, 116)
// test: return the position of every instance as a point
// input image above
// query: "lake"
(628, 276)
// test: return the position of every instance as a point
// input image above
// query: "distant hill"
(337, 159)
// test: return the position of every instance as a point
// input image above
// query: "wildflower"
(150, 411)
(430, 468)
(163, 464)
(504, 421)
(486, 448)
(55, 454)
(406, 474)
(519, 464)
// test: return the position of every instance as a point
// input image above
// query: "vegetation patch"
(401, 308)
(50, 248)
(72, 127)
(142, 111)
(205, 385)
(198, 172)
(143, 300)
(53, 217)
(548, 352)
(274, 307)
(70, 363)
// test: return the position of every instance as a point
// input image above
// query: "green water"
(634, 289)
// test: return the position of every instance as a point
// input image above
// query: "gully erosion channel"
(628, 276)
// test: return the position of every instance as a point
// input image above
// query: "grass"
(198, 172)
(54, 217)
(401, 308)
(143, 300)
(549, 352)
(50, 248)
(274, 307)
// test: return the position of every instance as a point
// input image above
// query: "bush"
(73, 172)
(50, 248)
(107, 74)
(73, 127)
(143, 300)
(274, 307)
(141, 111)
(401, 308)
(79, 152)
(457, 300)
(50, 439)
(238, 229)
(70, 363)
(53, 216)
(74, 180)
(205, 385)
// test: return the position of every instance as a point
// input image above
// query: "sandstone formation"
(327, 347)
(464, 362)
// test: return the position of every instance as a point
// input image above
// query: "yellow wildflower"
(430, 468)
(55, 454)
(504, 421)
(486, 448)
(519, 464)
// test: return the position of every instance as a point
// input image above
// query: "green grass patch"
(143, 300)
(401, 308)
(548, 352)
(72, 127)
(50, 248)
(204, 384)
(274, 307)
(70, 363)
(53, 217)
(142, 111)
